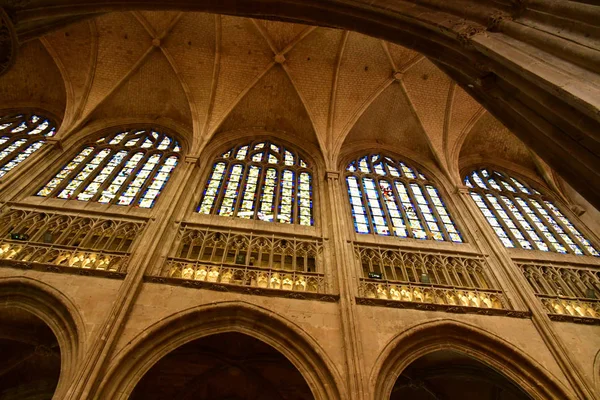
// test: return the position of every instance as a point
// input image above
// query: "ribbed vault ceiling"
(208, 75)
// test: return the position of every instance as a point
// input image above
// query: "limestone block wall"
(348, 345)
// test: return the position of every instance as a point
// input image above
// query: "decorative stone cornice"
(8, 42)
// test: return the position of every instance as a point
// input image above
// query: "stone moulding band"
(61, 269)
(573, 319)
(441, 307)
(223, 287)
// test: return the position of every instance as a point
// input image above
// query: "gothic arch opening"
(223, 366)
(221, 325)
(40, 333)
(425, 345)
(31, 357)
(453, 375)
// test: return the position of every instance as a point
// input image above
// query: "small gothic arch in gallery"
(523, 217)
(21, 135)
(261, 181)
(390, 197)
(125, 168)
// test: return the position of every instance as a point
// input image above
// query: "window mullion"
(223, 188)
(150, 178)
(15, 153)
(417, 208)
(260, 182)
(241, 189)
(30, 127)
(548, 225)
(108, 181)
(84, 184)
(500, 220)
(295, 195)
(67, 179)
(123, 188)
(510, 216)
(440, 223)
(8, 143)
(278, 192)
(386, 212)
(15, 122)
(565, 229)
(400, 204)
(93, 174)
(365, 199)
(532, 223)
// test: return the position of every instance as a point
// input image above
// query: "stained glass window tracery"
(262, 181)
(391, 198)
(124, 168)
(21, 135)
(522, 217)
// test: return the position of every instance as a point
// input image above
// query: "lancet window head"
(21, 135)
(262, 181)
(393, 198)
(127, 168)
(522, 217)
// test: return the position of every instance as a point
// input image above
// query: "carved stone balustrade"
(432, 294)
(569, 293)
(66, 243)
(253, 277)
(404, 278)
(56, 258)
(248, 262)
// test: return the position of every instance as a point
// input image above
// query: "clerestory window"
(392, 198)
(262, 181)
(21, 135)
(522, 217)
(128, 168)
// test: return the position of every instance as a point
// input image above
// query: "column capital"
(55, 143)
(332, 175)
(462, 190)
(191, 160)
(8, 42)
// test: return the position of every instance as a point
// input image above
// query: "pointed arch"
(523, 217)
(261, 179)
(303, 351)
(54, 309)
(443, 334)
(126, 167)
(391, 196)
(22, 133)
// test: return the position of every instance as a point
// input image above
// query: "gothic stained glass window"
(20, 136)
(522, 217)
(124, 168)
(391, 198)
(263, 181)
